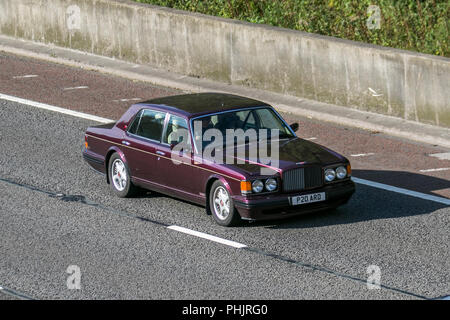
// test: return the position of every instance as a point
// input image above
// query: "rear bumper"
(94, 161)
(277, 206)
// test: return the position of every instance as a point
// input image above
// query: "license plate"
(308, 198)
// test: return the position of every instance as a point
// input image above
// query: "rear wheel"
(120, 178)
(222, 206)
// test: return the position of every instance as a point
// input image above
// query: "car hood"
(292, 153)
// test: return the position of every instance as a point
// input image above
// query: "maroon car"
(173, 145)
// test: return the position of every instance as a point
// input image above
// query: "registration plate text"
(308, 198)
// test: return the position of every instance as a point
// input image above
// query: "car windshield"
(256, 123)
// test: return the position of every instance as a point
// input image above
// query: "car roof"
(203, 103)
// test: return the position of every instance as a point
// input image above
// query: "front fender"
(208, 185)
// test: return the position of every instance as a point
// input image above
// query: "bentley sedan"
(234, 155)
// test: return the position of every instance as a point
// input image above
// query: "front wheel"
(222, 206)
(120, 178)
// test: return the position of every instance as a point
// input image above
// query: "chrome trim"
(141, 137)
(304, 178)
(334, 166)
(294, 180)
(264, 190)
(165, 124)
(141, 111)
(131, 122)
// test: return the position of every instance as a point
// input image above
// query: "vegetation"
(419, 25)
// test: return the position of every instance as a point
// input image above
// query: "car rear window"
(133, 128)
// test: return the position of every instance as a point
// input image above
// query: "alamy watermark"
(374, 278)
(73, 18)
(373, 21)
(74, 280)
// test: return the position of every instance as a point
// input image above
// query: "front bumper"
(277, 206)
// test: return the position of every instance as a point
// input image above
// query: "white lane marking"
(402, 191)
(104, 120)
(55, 109)
(76, 88)
(208, 237)
(26, 76)
(362, 154)
(441, 156)
(126, 100)
(434, 170)
(312, 138)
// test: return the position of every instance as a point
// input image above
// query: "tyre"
(120, 178)
(222, 206)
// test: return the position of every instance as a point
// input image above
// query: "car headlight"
(341, 172)
(257, 186)
(330, 175)
(271, 184)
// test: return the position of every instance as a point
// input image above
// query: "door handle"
(125, 142)
(161, 153)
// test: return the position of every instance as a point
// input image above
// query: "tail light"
(86, 142)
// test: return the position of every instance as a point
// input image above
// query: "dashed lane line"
(402, 191)
(207, 236)
(441, 156)
(54, 108)
(127, 100)
(26, 76)
(76, 88)
(362, 154)
(434, 170)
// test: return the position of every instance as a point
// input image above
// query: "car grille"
(302, 178)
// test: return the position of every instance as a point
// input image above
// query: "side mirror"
(294, 126)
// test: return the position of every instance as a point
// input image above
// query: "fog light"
(341, 172)
(257, 186)
(330, 175)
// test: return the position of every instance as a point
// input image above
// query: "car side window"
(150, 124)
(177, 131)
(133, 128)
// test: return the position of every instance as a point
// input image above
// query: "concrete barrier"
(366, 77)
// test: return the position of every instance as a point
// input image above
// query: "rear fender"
(111, 151)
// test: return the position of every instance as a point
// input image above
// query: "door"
(141, 140)
(174, 163)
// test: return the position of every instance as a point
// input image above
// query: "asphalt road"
(55, 212)
(374, 156)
